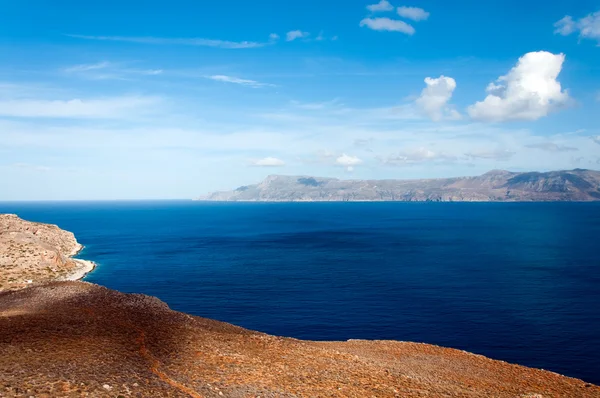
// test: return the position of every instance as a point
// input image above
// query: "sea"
(519, 282)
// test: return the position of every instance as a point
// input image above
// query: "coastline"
(84, 266)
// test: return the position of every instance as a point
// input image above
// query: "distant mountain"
(494, 186)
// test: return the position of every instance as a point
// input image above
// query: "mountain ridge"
(493, 186)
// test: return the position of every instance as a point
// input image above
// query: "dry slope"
(33, 252)
(78, 339)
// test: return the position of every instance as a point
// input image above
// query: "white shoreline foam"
(84, 266)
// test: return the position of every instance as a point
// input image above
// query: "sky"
(160, 100)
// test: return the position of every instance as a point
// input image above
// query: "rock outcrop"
(494, 186)
(33, 252)
(74, 339)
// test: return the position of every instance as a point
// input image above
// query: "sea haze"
(513, 281)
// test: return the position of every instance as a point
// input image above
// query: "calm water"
(518, 282)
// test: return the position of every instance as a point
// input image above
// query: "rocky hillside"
(74, 339)
(34, 252)
(495, 186)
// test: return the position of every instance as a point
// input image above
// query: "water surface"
(517, 282)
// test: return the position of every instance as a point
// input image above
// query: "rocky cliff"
(494, 186)
(34, 252)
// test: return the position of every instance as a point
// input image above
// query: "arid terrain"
(494, 186)
(76, 339)
(33, 252)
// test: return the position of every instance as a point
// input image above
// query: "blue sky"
(154, 99)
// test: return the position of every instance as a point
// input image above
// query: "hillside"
(494, 186)
(72, 339)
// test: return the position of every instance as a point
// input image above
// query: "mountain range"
(494, 186)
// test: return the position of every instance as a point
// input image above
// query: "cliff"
(494, 186)
(33, 252)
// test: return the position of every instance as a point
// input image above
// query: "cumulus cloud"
(596, 139)
(552, 147)
(194, 41)
(528, 92)
(387, 24)
(588, 26)
(296, 34)
(273, 37)
(348, 161)
(414, 13)
(434, 98)
(497, 154)
(237, 80)
(268, 162)
(382, 6)
(419, 155)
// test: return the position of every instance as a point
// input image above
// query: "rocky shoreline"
(33, 253)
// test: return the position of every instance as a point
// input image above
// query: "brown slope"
(78, 339)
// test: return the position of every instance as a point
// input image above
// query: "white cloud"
(528, 92)
(496, 154)
(552, 147)
(151, 72)
(268, 162)
(434, 98)
(348, 161)
(273, 37)
(596, 139)
(419, 155)
(383, 5)
(237, 80)
(588, 26)
(110, 108)
(387, 24)
(194, 41)
(107, 70)
(87, 67)
(296, 34)
(414, 13)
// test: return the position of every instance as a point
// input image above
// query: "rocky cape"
(494, 186)
(76, 339)
(32, 252)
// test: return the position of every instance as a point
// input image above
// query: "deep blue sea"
(517, 282)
